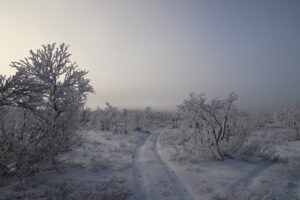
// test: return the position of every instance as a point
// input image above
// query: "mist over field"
(154, 53)
(149, 100)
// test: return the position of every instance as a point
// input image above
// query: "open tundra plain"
(146, 165)
(149, 100)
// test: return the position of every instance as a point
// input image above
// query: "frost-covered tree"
(175, 118)
(136, 120)
(106, 118)
(110, 117)
(148, 119)
(214, 122)
(17, 91)
(111, 113)
(293, 119)
(85, 116)
(54, 78)
(44, 98)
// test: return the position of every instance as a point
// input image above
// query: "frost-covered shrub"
(189, 148)
(105, 119)
(291, 165)
(99, 163)
(85, 117)
(112, 188)
(273, 144)
(258, 193)
(257, 150)
(213, 127)
(134, 139)
(120, 121)
(136, 120)
(122, 146)
(293, 119)
(40, 110)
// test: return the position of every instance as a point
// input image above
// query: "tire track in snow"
(152, 178)
(137, 183)
(178, 186)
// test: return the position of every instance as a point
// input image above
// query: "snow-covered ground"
(154, 179)
(100, 168)
(139, 165)
(238, 179)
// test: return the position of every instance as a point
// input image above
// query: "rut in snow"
(152, 177)
(138, 189)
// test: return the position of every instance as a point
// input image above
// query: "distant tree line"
(110, 118)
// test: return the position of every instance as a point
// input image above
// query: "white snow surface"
(237, 179)
(139, 166)
(99, 168)
(154, 179)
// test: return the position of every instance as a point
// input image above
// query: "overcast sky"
(154, 53)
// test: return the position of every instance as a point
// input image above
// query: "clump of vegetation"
(212, 126)
(39, 110)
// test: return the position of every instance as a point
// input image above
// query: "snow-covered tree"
(111, 113)
(148, 119)
(175, 118)
(136, 119)
(85, 116)
(214, 122)
(48, 90)
(293, 119)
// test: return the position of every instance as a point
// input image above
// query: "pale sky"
(148, 52)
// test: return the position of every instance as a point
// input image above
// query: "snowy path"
(137, 185)
(152, 178)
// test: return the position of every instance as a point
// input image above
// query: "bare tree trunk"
(296, 128)
(219, 152)
(297, 131)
